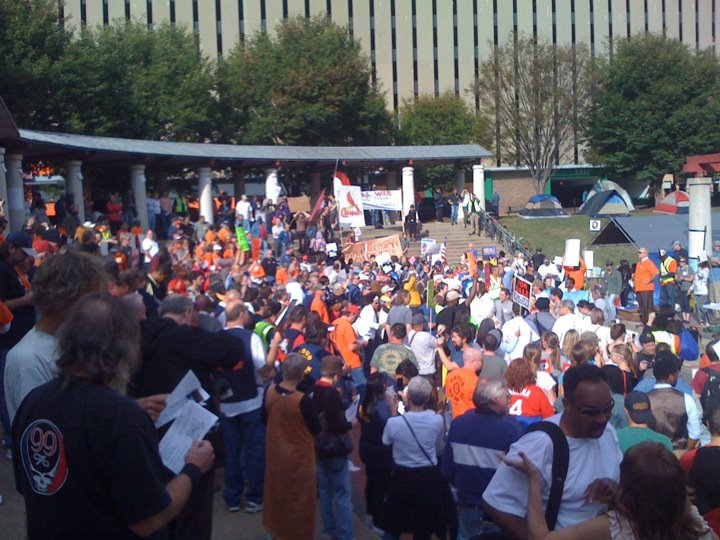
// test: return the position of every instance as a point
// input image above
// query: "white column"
(314, 185)
(391, 179)
(408, 188)
(16, 211)
(137, 181)
(205, 193)
(3, 178)
(479, 183)
(272, 186)
(699, 216)
(74, 186)
(459, 179)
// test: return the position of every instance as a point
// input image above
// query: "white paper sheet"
(191, 424)
(352, 411)
(188, 389)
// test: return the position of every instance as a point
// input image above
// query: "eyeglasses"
(683, 260)
(593, 412)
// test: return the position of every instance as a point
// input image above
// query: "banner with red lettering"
(382, 200)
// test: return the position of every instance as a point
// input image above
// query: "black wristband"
(193, 472)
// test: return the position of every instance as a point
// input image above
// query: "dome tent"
(542, 206)
(609, 185)
(605, 203)
(676, 202)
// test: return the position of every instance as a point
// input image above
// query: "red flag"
(318, 206)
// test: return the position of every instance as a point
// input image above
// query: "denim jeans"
(358, 379)
(333, 477)
(244, 437)
(454, 214)
(668, 295)
(472, 524)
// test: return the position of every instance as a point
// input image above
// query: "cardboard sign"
(572, 252)
(361, 251)
(299, 204)
(521, 292)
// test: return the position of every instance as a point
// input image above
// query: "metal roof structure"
(50, 146)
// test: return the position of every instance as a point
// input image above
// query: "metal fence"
(492, 229)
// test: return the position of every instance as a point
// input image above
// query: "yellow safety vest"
(661, 336)
(665, 275)
(495, 286)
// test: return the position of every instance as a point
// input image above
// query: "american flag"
(443, 254)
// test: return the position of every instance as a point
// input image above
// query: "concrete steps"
(456, 238)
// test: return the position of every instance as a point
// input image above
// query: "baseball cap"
(352, 308)
(646, 337)
(418, 318)
(453, 295)
(638, 407)
(331, 365)
(386, 289)
(22, 240)
(662, 252)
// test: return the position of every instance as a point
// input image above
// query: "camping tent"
(542, 206)
(677, 202)
(608, 185)
(605, 204)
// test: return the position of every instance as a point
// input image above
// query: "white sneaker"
(253, 507)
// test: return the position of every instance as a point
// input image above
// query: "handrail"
(493, 229)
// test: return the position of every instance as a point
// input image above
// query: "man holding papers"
(86, 457)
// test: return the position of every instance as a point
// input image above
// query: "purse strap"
(412, 432)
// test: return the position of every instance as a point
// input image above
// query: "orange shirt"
(319, 307)
(281, 276)
(577, 274)
(210, 236)
(531, 401)
(459, 387)
(344, 336)
(224, 235)
(645, 271)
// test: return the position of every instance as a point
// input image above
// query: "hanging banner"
(350, 206)
(382, 200)
(361, 251)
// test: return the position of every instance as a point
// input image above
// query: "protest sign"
(361, 251)
(350, 207)
(521, 292)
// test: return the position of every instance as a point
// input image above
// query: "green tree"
(31, 42)
(308, 85)
(657, 102)
(124, 81)
(444, 119)
(537, 96)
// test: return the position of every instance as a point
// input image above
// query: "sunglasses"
(593, 412)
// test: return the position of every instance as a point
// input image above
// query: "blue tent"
(542, 206)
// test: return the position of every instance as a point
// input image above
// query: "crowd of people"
(475, 417)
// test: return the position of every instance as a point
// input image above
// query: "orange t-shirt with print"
(344, 336)
(531, 401)
(459, 387)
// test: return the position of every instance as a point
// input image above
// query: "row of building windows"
(420, 47)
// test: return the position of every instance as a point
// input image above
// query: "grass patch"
(551, 233)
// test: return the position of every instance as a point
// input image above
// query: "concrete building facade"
(420, 47)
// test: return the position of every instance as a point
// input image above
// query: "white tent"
(607, 185)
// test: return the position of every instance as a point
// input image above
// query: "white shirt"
(590, 459)
(367, 323)
(563, 324)
(150, 248)
(29, 364)
(242, 209)
(424, 345)
(512, 344)
(257, 351)
(548, 269)
(482, 307)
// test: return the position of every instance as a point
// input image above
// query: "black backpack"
(710, 395)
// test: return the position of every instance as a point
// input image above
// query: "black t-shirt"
(86, 462)
(23, 317)
(703, 479)
(269, 264)
(451, 316)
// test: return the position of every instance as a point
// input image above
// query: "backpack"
(689, 349)
(710, 395)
